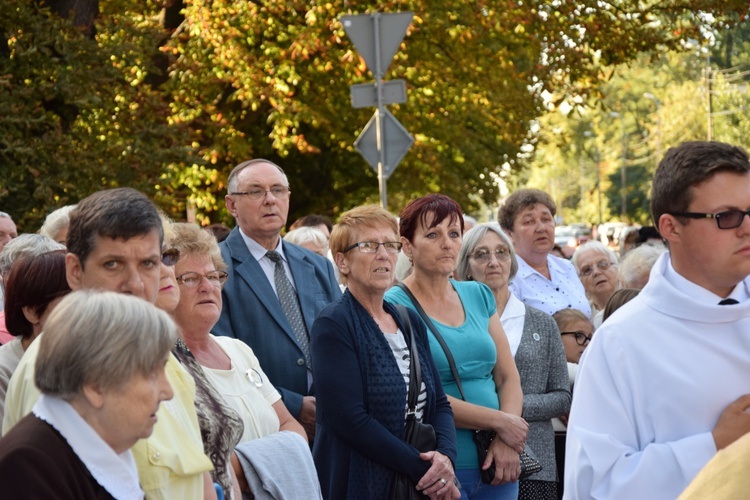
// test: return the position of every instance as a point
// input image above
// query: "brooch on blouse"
(254, 376)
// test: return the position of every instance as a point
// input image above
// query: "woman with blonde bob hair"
(362, 352)
(100, 369)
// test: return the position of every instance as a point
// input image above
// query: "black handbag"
(418, 434)
(482, 438)
(529, 464)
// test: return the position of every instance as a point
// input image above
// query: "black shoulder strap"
(436, 334)
(415, 370)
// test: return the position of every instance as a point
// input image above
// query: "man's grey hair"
(104, 338)
(24, 246)
(6, 216)
(232, 179)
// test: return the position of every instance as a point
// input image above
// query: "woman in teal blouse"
(431, 231)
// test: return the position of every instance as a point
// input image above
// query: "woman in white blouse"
(543, 281)
(229, 364)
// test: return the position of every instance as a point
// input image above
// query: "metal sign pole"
(384, 141)
(379, 121)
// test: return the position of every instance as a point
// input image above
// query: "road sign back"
(365, 95)
(396, 142)
(392, 28)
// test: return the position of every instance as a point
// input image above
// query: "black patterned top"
(221, 426)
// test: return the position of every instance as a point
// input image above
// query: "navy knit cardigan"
(361, 397)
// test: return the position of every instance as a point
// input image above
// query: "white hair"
(56, 221)
(307, 234)
(597, 246)
(25, 245)
(636, 265)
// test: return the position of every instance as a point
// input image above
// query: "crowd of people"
(379, 357)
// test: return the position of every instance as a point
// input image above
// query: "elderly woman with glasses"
(487, 256)
(464, 315)
(362, 352)
(596, 265)
(219, 424)
(225, 370)
(101, 371)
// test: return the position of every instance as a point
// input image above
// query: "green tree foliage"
(653, 103)
(168, 98)
(74, 116)
(730, 86)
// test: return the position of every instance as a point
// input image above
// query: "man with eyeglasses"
(115, 243)
(664, 383)
(274, 290)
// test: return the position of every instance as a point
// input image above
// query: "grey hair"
(307, 234)
(4, 215)
(26, 245)
(470, 219)
(472, 238)
(637, 263)
(56, 221)
(232, 179)
(597, 246)
(104, 338)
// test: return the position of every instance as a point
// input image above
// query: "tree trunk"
(83, 12)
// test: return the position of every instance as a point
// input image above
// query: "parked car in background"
(571, 237)
(610, 233)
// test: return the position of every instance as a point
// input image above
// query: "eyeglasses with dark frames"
(256, 193)
(484, 256)
(589, 270)
(193, 279)
(729, 219)
(581, 338)
(372, 246)
(170, 256)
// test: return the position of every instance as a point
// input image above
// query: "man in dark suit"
(275, 290)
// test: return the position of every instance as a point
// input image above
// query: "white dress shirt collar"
(259, 251)
(116, 473)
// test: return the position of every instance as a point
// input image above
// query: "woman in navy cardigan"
(361, 358)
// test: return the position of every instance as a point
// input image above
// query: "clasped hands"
(438, 481)
(503, 453)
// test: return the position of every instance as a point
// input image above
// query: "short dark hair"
(688, 165)
(521, 199)
(312, 220)
(120, 213)
(436, 205)
(34, 281)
